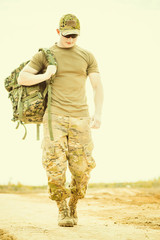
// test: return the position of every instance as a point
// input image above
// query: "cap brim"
(72, 31)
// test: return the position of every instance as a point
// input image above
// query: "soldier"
(71, 122)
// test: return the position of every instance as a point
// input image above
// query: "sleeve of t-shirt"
(92, 64)
(38, 61)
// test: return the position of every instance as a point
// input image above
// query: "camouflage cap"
(69, 24)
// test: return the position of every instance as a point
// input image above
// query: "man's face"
(68, 42)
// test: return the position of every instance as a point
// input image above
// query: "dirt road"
(105, 214)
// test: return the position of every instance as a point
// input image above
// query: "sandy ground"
(105, 214)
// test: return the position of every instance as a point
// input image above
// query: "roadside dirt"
(105, 214)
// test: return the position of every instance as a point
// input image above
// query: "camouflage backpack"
(29, 102)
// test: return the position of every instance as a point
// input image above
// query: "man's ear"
(58, 31)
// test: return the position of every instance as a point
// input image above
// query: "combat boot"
(64, 219)
(73, 209)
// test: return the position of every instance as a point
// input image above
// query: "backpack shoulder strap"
(51, 61)
(49, 55)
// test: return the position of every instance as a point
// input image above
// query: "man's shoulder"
(85, 53)
(83, 50)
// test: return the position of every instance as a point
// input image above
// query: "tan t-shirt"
(68, 89)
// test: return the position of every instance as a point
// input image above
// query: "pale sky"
(124, 37)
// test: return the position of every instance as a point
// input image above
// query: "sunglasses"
(71, 35)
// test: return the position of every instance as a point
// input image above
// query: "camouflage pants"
(72, 146)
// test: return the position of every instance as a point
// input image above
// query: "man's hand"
(51, 70)
(96, 121)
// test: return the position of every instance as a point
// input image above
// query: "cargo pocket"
(88, 155)
(48, 152)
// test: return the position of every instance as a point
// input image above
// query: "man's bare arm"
(28, 76)
(98, 98)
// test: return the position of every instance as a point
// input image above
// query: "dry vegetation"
(20, 188)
